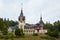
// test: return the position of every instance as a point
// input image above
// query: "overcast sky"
(32, 9)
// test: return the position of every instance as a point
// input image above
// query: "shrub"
(19, 32)
(11, 35)
(4, 36)
(35, 34)
(55, 33)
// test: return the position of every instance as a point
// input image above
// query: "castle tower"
(21, 20)
(41, 23)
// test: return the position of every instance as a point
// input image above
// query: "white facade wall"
(35, 31)
(21, 25)
(42, 31)
(29, 31)
(9, 30)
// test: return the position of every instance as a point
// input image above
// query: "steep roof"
(21, 14)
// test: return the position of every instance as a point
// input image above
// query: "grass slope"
(30, 37)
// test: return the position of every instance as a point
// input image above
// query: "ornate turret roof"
(21, 14)
(41, 21)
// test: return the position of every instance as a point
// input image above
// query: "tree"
(3, 27)
(1, 24)
(53, 29)
(57, 25)
(19, 32)
(54, 33)
(5, 31)
(48, 26)
(10, 22)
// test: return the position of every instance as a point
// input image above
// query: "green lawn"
(30, 37)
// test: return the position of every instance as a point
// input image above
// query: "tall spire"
(41, 17)
(21, 14)
(41, 21)
(21, 17)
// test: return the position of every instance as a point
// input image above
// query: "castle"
(29, 28)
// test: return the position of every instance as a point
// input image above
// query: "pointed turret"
(21, 17)
(41, 21)
(21, 14)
